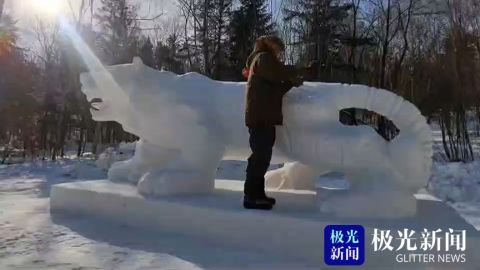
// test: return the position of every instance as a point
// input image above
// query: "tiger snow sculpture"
(188, 123)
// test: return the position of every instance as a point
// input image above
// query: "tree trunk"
(206, 53)
(96, 137)
(405, 25)
(2, 3)
(385, 46)
(353, 46)
(62, 131)
(218, 56)
(80, 141)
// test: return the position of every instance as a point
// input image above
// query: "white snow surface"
(456, 182)
(459, 185)
(32, 238)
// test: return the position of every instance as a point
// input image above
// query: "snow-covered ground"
(31, 238)
(457, 183)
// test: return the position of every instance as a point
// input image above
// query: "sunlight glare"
(48, 7)
(99, 73)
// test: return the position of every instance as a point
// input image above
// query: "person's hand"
(313, 64)
(297, 82)
(312, 69)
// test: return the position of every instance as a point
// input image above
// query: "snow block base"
(285, 231)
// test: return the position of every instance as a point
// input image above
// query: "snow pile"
(84, 169)
(456, 182)
(111, 155)
(453, 182)
(459, 185)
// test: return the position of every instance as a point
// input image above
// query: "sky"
(28, 12)
(23, 10)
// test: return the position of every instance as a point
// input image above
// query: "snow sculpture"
(188, 123)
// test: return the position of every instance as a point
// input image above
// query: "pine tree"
(117, 19)
(17, 83)
(146, 53)
(249, 21)
(214, 17)
(318, 24)
(167, 57)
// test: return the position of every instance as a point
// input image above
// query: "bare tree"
(2, 3)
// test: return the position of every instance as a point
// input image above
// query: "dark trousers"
(261, 140)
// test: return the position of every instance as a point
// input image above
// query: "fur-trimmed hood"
(264, 44)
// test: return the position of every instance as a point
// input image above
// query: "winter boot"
(257, 203)
(269, 199)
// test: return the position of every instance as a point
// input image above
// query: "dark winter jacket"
(268, 81)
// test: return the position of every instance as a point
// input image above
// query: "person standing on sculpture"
(268, 81)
